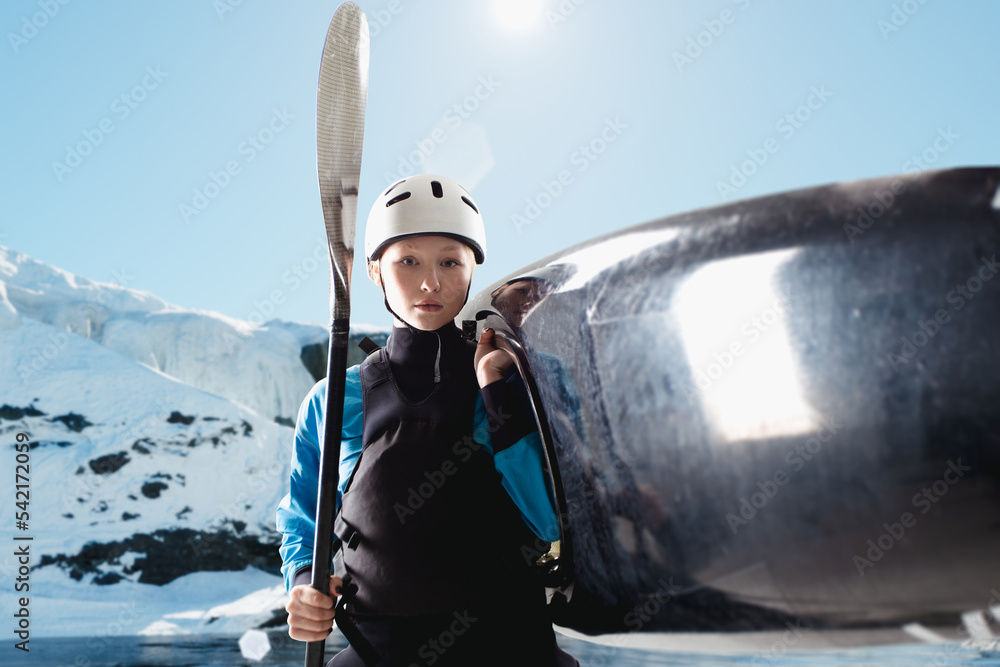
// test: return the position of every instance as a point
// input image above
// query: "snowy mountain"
(205, 350)
(156, 461)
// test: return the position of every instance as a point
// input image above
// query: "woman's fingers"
(310, 613)
(485, 345)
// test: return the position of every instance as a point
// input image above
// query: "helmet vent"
(397, 199)
(436, 189)
(469, 202)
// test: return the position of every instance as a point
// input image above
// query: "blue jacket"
(520, 466)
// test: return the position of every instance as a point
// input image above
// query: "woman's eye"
(449, 263)
(408, 261)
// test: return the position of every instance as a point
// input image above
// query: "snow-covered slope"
(142, 486)
(134, 475)
(120, 449)
(205, 350)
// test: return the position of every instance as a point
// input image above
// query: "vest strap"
(348, 536)
(368, 346)
(348, 627)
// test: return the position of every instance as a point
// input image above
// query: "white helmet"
(424, 204)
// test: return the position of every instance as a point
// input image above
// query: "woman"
(443, 495)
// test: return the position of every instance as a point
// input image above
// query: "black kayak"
(780, 412)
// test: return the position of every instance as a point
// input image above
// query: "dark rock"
(152, 489)
(314, 359)
(314, 355)
(49, 443)
(105, 465)
(73, 421)
(107, 578)
(170, 554)
(238, 526)
(247, 428)
(140, 445)
(128, 516)
(285, 421)
(177, 418)
(278, 620)
(15, 414)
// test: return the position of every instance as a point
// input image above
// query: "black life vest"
(426, 525)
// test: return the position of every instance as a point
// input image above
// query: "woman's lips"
(429, 307)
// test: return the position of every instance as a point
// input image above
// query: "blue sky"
(596, 117)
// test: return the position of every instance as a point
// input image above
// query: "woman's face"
(426, 279)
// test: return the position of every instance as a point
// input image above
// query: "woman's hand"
(491, 363)
(310, 613)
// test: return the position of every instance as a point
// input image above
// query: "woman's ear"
(374, 272)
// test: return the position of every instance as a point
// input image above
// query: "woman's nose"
(431, 282)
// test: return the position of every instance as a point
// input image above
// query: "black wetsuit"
(436, 544)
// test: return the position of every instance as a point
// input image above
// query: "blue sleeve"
(522, 471)
(296, 514)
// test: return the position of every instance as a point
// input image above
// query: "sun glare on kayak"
(735, 321)
(518, 15)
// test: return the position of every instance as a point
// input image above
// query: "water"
(223, 651)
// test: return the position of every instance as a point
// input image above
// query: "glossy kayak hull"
(781, 410)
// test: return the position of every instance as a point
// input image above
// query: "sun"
(518, 14)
